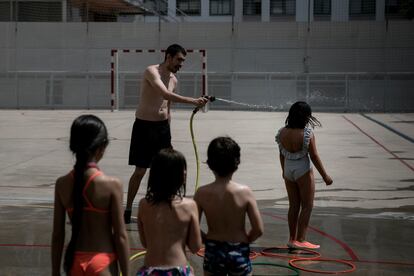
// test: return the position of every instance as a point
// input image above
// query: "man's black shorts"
(148, 137)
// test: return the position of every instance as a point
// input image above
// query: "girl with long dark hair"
(93, 202)
(296, 144)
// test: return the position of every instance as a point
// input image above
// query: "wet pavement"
(364, 221)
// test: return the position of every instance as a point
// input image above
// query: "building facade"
(342, 55)
(279, 10)
(203, 10)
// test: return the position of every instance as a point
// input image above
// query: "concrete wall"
(357, 65)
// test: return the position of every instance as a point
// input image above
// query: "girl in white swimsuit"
(297, 148)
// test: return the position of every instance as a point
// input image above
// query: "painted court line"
(16, 245)
(378, 143)
(348, 249)
(351, 253)
(406, 137)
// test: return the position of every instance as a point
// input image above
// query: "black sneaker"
(127, 216)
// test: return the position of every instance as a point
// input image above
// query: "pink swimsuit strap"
(89, 206)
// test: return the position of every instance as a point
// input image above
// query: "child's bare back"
(225, 206)
(164, 231)
(292, 139)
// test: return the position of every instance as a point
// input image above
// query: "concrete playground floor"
(365, 220)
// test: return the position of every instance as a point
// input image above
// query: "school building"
(339, 55)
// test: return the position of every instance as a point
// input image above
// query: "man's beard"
(175, 69)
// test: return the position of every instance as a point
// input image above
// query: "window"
(6, 11)
(322, 7)
(39, 11)
(30, 11)
(393, 8)
(252, 7)
(157, 6)
(282, 7)
(189, 7)
(221, 7)
(361, 8)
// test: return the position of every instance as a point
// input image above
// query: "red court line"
(378, 143)
(24, 245)
(141, 249)
(348, 249)
(48, 246)
(384, 262)
(353, 256)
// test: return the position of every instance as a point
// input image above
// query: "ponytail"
(78, 204)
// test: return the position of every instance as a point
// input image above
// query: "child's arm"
(200, 213)
(141, 225)
(194, 234)
(118, 225)
(317, 161)
(281, 157)
(58, 235)
(282, 164)
(255, 218)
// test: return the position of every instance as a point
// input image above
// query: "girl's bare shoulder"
(110, 180)
(239, 186)
(187, 202)
(64, 181)
(143, 203)
(186, 205)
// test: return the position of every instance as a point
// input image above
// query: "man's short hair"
(174, 49)
(223, 156)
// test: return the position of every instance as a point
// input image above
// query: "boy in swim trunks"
(151, 130)
(225, 204)
(296, 143)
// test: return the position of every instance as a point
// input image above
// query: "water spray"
(212, 99)
(252, 106)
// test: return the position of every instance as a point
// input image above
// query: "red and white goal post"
(115, 70)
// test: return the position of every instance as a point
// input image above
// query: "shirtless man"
(225, 204)
(151, 130)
